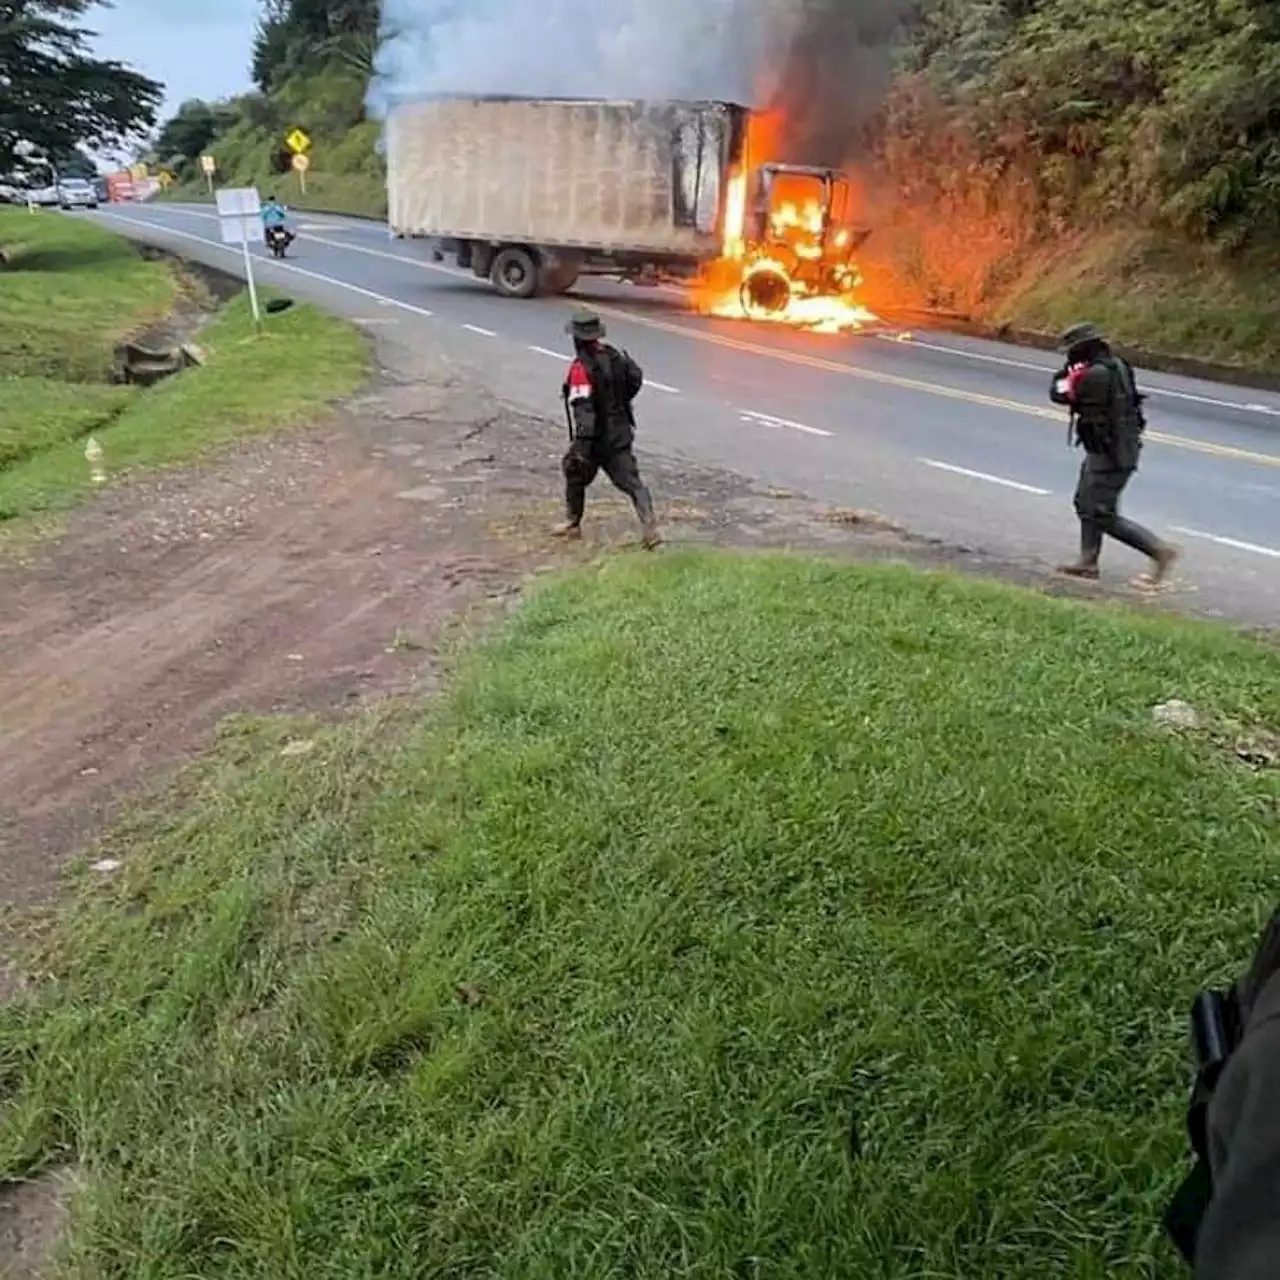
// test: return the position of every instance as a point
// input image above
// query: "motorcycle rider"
(274, 214)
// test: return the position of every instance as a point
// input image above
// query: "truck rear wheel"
(515, 274)
(559, 279)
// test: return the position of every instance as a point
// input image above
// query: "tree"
(295, 33)
(191, 131)
(55, 97)
(271, 44)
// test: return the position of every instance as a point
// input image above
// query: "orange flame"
(795, 220)
(735, 217)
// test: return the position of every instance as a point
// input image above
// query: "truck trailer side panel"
(611, 177)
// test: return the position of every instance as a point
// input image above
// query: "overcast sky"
(196, 48)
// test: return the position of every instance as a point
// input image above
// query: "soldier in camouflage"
(598, 392)
(1107, 422)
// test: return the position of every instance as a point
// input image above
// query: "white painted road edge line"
(165, 229)
(983, 475)
(380, 298)
(662, 386)
(768, 420)
(986, 357)
(983, 357)
(1272, 552)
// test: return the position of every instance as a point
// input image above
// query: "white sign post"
(240, 220)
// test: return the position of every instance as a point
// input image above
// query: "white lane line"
(768, 420)
(983, 475)
(380, 298)
(1235, 543)
(662, 386)
(1182, 442)
(1008, 362)
(980, 356)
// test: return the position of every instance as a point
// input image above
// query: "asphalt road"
(952, 437)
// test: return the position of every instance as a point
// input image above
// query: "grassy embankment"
(347, 174)
(72, 291)
(589, 970)
(1153, 295)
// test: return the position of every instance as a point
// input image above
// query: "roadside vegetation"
(347, 176)
(595, 966)
(71, 292)
(1030, 164)
(1035, 162)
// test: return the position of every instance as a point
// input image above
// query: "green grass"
(587, 970)
(252, 384)
(39, 413)
(70, 294)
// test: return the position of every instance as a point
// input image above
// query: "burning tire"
(514, 273)
(766, 291)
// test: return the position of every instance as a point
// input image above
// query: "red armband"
(577, 385)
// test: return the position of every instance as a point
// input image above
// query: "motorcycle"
(278, 240)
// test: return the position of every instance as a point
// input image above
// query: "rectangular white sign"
(240, 230)
(239, 202)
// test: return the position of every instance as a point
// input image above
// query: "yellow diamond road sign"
(298, 142)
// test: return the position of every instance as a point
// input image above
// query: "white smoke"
(825, 62)
(718, 49)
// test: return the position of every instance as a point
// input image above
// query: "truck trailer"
(533, 193)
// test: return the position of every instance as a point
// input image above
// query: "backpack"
(630, 375)
(1123, 373)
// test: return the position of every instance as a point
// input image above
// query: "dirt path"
(306, 574)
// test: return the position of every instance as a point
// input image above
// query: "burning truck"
(533, 193)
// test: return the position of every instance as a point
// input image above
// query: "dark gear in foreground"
(1224, 1217)
(1107, 421)
(598, 393)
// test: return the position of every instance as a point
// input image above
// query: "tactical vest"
(611, 381)
(1116, 428)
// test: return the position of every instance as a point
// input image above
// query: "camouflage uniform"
(598, 392)
(1106, 411)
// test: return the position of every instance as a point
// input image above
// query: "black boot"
(1090, 551)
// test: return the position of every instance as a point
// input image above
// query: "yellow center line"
(925, 388)
(1189, 443)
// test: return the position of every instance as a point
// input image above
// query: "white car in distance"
(76, 193)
